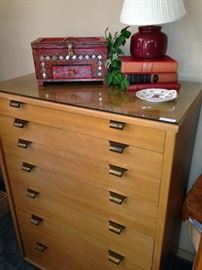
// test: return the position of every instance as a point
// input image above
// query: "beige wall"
(22, 21)
(185, 41)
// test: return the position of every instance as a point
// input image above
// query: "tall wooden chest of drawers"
(95, 178)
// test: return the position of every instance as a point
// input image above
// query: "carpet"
(10, 257)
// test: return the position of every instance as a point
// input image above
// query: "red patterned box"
(69, 59)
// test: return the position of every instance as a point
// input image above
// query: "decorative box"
(69, 59)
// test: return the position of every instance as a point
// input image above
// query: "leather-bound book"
(133, 65)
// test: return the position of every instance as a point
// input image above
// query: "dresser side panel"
(163, 197)
(9, 194)
(178, 182)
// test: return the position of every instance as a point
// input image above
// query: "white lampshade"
(151, 12)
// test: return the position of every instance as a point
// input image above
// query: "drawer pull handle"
(116, 124)
(115, 227)
(40, 247)
(27, 167)
(117, 147)
(115, 257)
(116, 198)
(35, 220)
(19, 123)
(23, 143)
(116, 170)
(14, 103)
(32, 193)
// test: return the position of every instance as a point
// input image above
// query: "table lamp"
(150, 42)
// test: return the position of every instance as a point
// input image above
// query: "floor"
(180, 264)
(10, 258)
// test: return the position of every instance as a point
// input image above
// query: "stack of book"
(156, 73)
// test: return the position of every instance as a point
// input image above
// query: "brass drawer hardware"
(32, 193)
(27, 167)
(115, 227)
(117, 147)
(116, 198)
(35, 220)
(40, 247)
(115, 257)
(16, 104)
(116, 170)
(23, 143)
(116, 124)
(19, 123)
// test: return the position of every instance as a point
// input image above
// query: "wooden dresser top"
(97, 96)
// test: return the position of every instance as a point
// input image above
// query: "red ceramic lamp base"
(148, 43)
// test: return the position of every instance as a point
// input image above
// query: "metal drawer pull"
(32, 193)
(115, 257)
(35, 220)
(116, 124)
(116, 198)
(115, 227)
(40, 247)
(19, 123)
(16, 104)
(117, 147)
(23, 143)
(116, 170)
(27, 167)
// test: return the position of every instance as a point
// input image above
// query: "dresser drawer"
(135, 163)
(85, 256)
(92, 230)
(86, 244)
(67, 143)
(140, 136)
(94, 157)
(94, 200)
(136, 180)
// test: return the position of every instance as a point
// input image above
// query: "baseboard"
(183, 254)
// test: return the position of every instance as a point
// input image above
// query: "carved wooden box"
(69, 59)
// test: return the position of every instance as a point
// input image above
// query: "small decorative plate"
(156, 94)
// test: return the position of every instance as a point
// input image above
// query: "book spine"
(152, 78)
(148, 67)
(137, 87)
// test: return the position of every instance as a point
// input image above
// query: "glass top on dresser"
(97, 96)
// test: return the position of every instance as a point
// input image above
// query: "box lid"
(63, 42)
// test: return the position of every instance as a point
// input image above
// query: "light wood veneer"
(76, 204)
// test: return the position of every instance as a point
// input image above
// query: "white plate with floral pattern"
(156, 94)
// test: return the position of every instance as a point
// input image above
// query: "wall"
(22, 21)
